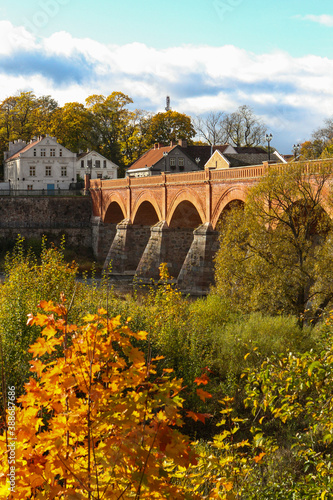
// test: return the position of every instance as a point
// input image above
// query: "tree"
(311, 150)
(71, 124)
(169, 126)
(96, 420)
(243, 128)
(133, 141)
(320, 142)
(275, 255)
(212, 128)
(110, 117)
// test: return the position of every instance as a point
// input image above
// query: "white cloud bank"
(292, 95)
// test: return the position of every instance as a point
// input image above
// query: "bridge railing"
(233, 173)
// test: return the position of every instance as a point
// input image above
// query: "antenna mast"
(167, 107)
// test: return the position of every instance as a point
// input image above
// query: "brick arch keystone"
(232, 194)
(149, 197)
(186, 195)
(114, 197)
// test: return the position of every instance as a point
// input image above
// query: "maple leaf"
(198, 416)
(37, 366)
(202, 380)
(203, 395)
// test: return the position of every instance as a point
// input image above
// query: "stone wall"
(32, 216)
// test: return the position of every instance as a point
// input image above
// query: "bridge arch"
(232, 195)
(115, 210)
(146, 210)
(186, 210)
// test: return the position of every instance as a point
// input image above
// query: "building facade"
(96, 165)
(43, 164)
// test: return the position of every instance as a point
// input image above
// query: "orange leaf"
(203, 395)
(202, 380)
(198, 416)
(259, 457)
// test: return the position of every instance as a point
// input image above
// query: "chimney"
(157, 145)
(173, 143)
(182, 143)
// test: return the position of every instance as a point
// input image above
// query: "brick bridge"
(140, 222)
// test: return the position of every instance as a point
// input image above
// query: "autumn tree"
(110, 117)
(168, 126)
(275, 255)
(133, 141)
(24, 115)
(96, 421)
(71, 125)
(320, 143)
(311, 150)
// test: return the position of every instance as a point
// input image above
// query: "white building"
(96, 165)
(41, 164)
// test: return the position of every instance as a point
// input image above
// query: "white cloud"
(324, 19)
(291, 94)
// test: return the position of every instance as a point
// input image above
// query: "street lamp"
(269, 137)
(296, 148)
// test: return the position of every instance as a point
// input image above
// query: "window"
(48, 171)
(173, 163)
(180, 162)
(82, 163)
(32, 171)
(63, 171)
(52, 151)
(29, 187)
(60, 152)
(97, 164)
(35, 152)
(42, 151)
(89, 163)
(104, 163)
(99, 176)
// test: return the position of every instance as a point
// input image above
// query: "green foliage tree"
(275, 254)
(27, 281)
(290, 398)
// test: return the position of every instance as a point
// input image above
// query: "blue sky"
(208, 55)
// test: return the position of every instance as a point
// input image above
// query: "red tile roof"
(151, 157)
